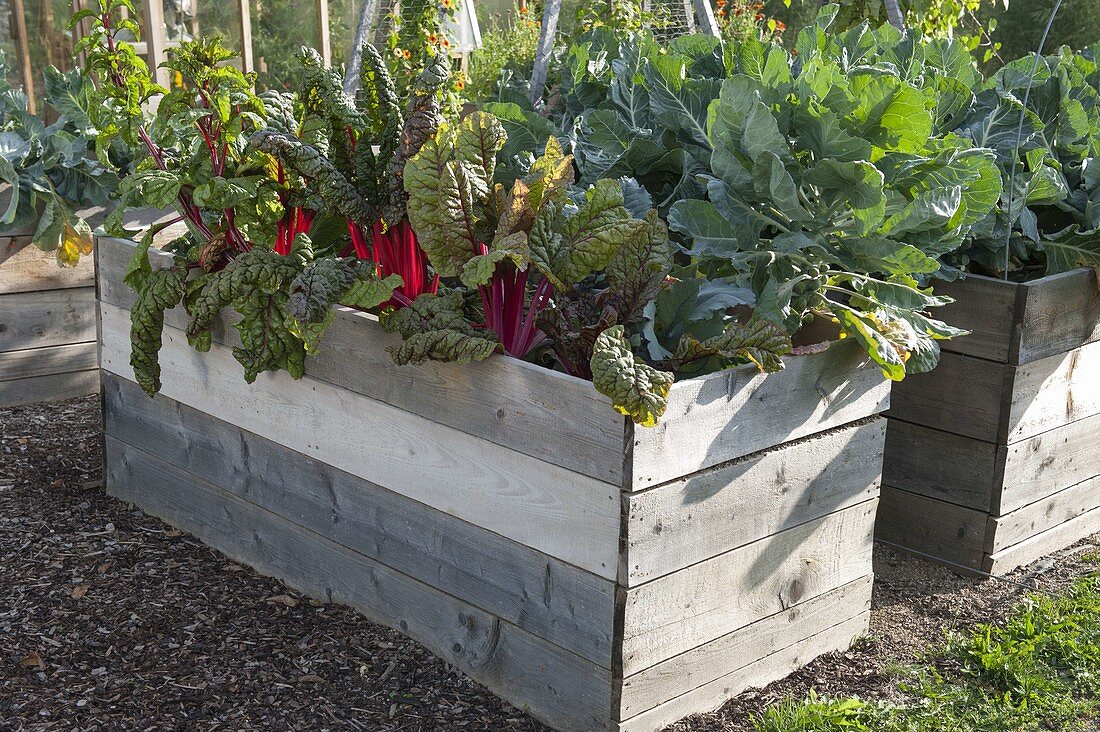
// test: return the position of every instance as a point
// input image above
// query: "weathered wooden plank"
(1060, 313)
(48, 360)
(53, 387)
(31, 269)
(556, 601)
(681, 611)
(724, 416)
(556, 686)
(987, 308)
(12, 244)
(1048, 513)
(1045, 464)
(711, 512)
(772, 668)
(564, 514)
(963, 395)
(938, 464)
(1048, 542)
(543, 413)
(1052, 392)
(931, 527)
(688, 671)
(48, 318)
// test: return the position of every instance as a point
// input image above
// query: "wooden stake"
(325, 46)
(156, 41)
(19, 29)
(247, 64)
(544, 51)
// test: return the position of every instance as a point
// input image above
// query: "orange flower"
(433, 38)
(721, 4)
(446, 43)
(460, 84)
(407, 54)
(780, 26)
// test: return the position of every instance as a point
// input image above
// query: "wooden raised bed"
(47, 325)
(47, 316)
(993, 459)
(599, 576)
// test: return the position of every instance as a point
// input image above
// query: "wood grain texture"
(933, 528)
(684, 610)
(556, 686)
(963, 395)
(987, 308)
(1043, 515)
(556, 601)
(681, 523)
(31, 269)
(1049, 462)
(1060, 313)
(48, 360)
(721, 417)
(47, 318)
(1047, 542)
(942, 465)
(542, 413)
(49, 388)
(1052, 392)
(564, 514)
(722, 656)
(757, 675)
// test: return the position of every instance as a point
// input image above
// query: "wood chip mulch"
(112, 620)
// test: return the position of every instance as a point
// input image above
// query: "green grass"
(1037, 671)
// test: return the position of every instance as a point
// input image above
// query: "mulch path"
(112, 620)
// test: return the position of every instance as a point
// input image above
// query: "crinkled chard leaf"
(636, 389)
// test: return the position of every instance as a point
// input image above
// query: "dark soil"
(112, 620)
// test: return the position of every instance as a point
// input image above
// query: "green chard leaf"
(635, 388)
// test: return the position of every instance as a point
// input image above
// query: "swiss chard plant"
(51, 169)
(247, 245)
(575, 272)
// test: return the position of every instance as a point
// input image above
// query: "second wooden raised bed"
(993, 459)
(600, 576)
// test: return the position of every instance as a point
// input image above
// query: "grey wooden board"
(678, 524)
(987, 308)
(10, 245)
(564, 514)
(1043, 515)
(720, 417)
(556, 686)
(565, 605)
(31, 269)
(525, 407)
(47, 318)
(1052, 392)
(963, 395)
(684, 610)
(1047, 542)
(932, 527)
(688, 671)
(1049, 462)
(758, 675)
(1060, 313)
(941, 465)
(48, 360)
(49, 388)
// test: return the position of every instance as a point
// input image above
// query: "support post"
(707, 23)
(156, 41)
(325, 45)
(19, 27)
(247, 64)
(544, 51)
